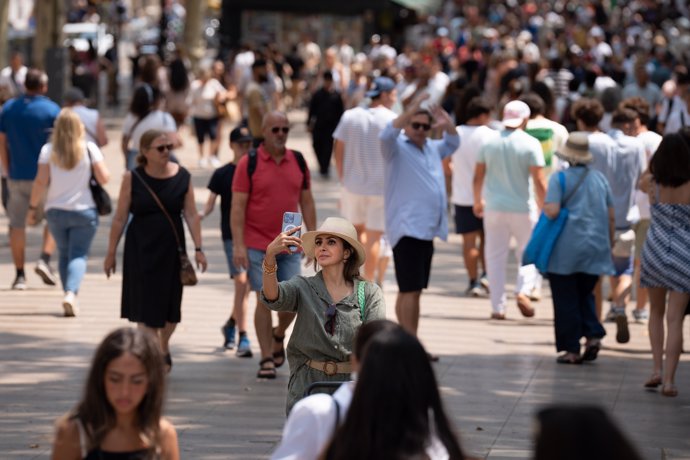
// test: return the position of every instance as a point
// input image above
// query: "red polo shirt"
(276, 189)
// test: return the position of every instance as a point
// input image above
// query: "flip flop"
(266, 372)
(653, 382)
(278, 356)
(569, 359)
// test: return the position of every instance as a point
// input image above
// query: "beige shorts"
(18, 202)
(641, 228)
(364, 210)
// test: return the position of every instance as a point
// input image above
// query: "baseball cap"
(514, 113)
(240, 134)
(380, 85)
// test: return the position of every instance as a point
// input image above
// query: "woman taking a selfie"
(330, 305)
(119, 415)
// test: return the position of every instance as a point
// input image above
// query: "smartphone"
(290, 221)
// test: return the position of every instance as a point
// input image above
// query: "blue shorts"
(234, 271)
(289, 265)
(623, 265)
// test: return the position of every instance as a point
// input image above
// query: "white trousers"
(499, 227)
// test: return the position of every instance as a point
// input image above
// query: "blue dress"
(666, 251)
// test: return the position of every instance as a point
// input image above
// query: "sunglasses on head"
(423, 126)
(277, 129)
(330, 319)
(163, 148)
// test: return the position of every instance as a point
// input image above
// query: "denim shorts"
(234, 270)
(289, 265)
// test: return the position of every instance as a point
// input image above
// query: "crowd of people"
(485, 122)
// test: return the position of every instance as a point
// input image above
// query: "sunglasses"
(423, 126)
(163, 148)
(277, 129)
(330, 319)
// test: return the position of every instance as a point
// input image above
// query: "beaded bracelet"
(269, 270)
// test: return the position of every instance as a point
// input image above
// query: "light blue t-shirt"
(584, 245)
(508, 158)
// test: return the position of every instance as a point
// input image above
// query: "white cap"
(515, 113)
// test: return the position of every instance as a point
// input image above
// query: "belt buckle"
(327, 365)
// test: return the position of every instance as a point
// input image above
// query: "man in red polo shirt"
(277, 185)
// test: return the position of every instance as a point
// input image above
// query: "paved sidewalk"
(494, 375)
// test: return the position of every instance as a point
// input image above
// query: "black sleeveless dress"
(151, 286)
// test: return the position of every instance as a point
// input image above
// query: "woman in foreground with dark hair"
(396, 411)
(666, 255)
(119, 415)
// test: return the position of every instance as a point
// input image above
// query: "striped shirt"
(359, 130)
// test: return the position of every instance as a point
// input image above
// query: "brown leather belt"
(331, 368)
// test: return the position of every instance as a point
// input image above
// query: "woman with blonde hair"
(65, 165)
(120, 413)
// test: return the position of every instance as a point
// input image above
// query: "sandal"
(670, 390)
(266, 372)
(592, 348)
(569, 358)
(278, 356)
(167, 360)
(653, 382)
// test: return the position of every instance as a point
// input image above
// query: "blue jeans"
(73, 232)
(289, 265)
(573, 308)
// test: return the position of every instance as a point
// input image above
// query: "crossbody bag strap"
(88, 152)
(579, 182)
(361, 299)
(160, 205)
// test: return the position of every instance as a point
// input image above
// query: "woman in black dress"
(151, 286)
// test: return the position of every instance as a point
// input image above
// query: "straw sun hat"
(336, 226)
(576, 149)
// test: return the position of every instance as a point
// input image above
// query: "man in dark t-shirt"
(221, 185)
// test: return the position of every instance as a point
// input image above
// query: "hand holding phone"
(290, 221)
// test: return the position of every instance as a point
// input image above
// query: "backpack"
(251, 167)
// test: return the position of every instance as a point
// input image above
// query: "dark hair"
(589, 111)
(95, 412)
(470, 92)
(35, 79)
(639, 105)
(477, 106)
(611, 97)
(394, 399)
(149, 65)
(670, 165)
(368, 330)
(622, 116)
(327, 75)
(179, 77)
(259, 63)
(534, 102)
(424, 112)
(544, 92)
(577, 432)
(143, 100)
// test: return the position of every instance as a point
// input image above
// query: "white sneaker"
(203, 162)
(215, 162)
(69, 304)
(43, 270)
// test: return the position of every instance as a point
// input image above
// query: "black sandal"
(167, 359)
(278, 356)
(266, 372)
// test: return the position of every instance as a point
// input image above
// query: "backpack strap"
(361, 300)
(253, 159)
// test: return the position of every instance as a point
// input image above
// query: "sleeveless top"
(99, 454)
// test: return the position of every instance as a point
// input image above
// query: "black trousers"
(322, 141)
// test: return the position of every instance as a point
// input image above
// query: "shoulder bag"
(546, 232)
(104, 204)
(187, 272)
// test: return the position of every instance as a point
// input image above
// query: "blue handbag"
(546, 232)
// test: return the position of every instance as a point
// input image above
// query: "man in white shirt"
(359, 163)
(90, 118)
(473, 135)
(12, 77)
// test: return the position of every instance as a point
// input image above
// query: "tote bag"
(547, 231)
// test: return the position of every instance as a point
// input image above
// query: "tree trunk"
(50, 17)
(194, 42)
(4, 32)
